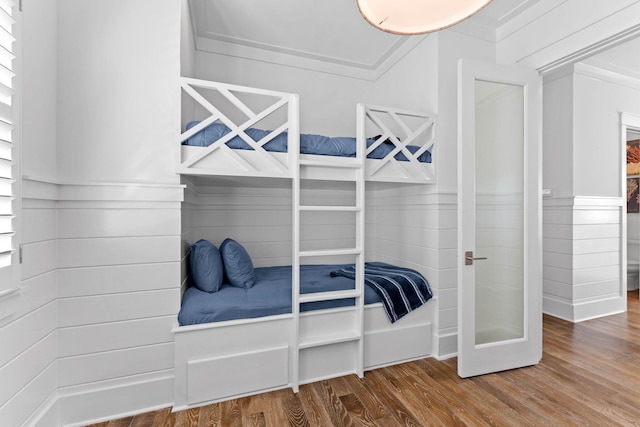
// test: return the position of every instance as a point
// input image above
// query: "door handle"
(468, 258)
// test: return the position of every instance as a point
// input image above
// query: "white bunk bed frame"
(224, 360)
(218, 159)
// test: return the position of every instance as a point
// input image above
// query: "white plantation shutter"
(6, 133)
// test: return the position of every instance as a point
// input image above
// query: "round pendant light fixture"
(417, 16)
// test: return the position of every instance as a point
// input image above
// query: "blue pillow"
(238, 267)
(206, 266)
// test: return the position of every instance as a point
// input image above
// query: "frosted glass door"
(499, 229)
(499, 219)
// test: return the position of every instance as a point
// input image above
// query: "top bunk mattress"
(270, 295)
(309, 143)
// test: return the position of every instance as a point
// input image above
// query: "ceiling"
(332, 36)
(622, 59)
(327, 35)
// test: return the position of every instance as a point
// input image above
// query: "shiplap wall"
(581, 258)
(119, 264)
(259, 214)
(259, 218)
(88, 337)
(415, 227)
(28, 367)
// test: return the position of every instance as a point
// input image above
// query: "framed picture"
(632, 195)
(633, 157)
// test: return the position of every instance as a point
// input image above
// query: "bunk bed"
(228, 357)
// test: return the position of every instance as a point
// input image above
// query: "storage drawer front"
(385, 347)
(227, 376)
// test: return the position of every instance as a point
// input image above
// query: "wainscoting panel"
(100, 293)
(106, 365)
(581, 260)
(118, 307)
(30, 363)
(113, 279)
(29, 398)
(79, 340)
(28, 337)
(119, 259)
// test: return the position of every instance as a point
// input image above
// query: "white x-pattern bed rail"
(401, 128)
(263, 163)
(388, 122)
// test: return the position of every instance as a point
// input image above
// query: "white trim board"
(572, 32)
(47, 189)
(93, 403)
(583, 201)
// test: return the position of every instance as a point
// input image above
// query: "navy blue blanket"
(401, 290)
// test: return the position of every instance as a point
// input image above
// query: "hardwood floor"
(589, 376)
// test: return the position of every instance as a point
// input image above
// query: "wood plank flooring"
(589, 376)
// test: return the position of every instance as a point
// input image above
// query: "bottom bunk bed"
(237, 341)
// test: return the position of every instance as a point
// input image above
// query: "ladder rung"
(328, 296)
(329, 339)
(342, 163)
(330, 252)
(331, 208)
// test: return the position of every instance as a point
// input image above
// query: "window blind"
(6, 133)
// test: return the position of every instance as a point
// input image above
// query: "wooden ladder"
(356, 333)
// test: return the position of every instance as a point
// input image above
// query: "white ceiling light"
(417, 16)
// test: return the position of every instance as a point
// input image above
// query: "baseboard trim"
(581, 311)
(47, 414)
(94, 403)
(557, 308)
(446, 346)
(600, 308)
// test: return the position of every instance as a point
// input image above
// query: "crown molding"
(308, 60)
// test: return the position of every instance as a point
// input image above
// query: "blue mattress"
(270, 295)
(309, 143)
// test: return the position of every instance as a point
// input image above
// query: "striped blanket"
(402, 290)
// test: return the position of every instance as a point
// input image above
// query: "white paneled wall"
(260, 218)
(88, 336)
(581, 258)
(119, 266)
(28, 319)
(414, 227)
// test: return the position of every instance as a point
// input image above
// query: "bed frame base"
(227, 360)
